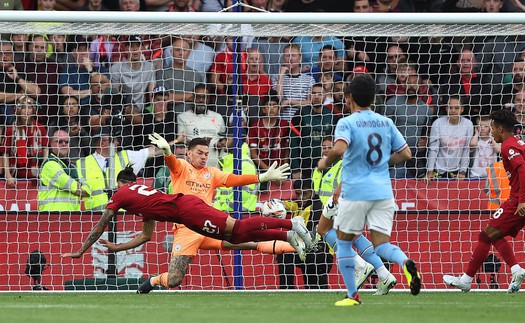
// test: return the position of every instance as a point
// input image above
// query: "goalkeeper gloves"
(275, 173)
(160, 142)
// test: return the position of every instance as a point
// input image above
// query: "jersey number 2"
(143, 189)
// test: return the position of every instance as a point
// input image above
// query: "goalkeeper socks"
(480, 253)
(161, 280)
(331, 238)
(505, 250)
(391, 253)
(346, 262)
(367, 251)
(275, 247)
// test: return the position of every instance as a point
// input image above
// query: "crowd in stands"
(437, 90)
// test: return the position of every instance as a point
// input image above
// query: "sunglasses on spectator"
(62, 141)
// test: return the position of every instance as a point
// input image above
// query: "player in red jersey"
(509, 219)
(153, 205)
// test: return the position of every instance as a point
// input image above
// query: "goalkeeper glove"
(275, 173)
(160, 142)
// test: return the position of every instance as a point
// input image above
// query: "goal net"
(81, 92)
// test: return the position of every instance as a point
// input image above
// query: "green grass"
(259, 307)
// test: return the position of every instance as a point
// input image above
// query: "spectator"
(129, 5)
(12, 85)
(199, 121)
(134, 76)
(44, 74)
(517, 84)
(212, 5)
(271, 49)
(335, 101)
(485, 149)
(46, 5)
(181, 6)
(403, 70)
(311, 47)
(292, 85)
(179, 79)
(448, 146)
(97, 113)
(24, 144)
(412, 117)
(59, 188)
(519, 112)
(97, 169)
(223, 65)
(276, 5)
(74, 81)
(318, 263)
(469, 84)
(136, 128)
(60, 54)
(307, 132)
(326, 64)
(69, 5)
(19, 46)
(394, 55)
(269, 137)
(255, 81)
(162, 122)
(78, 134)
(101, 50)
(200, 59)
(94, 5)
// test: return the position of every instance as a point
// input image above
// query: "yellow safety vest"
(325, 185)
(56, 187)
(92, 175)
(224, 195)
(497, 185)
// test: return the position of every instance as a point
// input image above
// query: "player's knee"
(174, 280)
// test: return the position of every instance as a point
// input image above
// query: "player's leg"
(350, 222)
(508, 224)
(185, 245)
(380, 219)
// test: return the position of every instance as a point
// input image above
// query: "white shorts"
(354, 215)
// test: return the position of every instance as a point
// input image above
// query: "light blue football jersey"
(371, 139)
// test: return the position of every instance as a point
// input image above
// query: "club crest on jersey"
(207, 175)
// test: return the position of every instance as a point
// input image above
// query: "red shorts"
(198, 216)
(506, 221)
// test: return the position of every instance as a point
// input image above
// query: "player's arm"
(171, 161)
(96, 232)
(400, 156)
(273, 173)
(334, 155)
(143, 237)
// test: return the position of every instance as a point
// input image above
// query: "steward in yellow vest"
(326, 182)
(224, 195)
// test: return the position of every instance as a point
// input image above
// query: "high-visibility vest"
(92, 175)
(325, 185)
(57, 186)
(224, 195)
(497, 185)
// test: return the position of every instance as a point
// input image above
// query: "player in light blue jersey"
(368, 143)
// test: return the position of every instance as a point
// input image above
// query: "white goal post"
(437, 224)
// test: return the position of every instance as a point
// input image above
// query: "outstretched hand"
(72, 255)
(160, 142)
(275, 173)
(110, 245)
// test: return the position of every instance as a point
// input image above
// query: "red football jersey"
(145, 201)
(512, 153)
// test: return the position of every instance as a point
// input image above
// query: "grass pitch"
(248, 307)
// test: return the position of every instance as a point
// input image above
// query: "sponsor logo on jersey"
(512, 154)
(197, 185)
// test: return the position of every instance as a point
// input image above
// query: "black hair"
(127, 175)
(199, 86)
(362, 89)
(198, 142)
(504, 118)
(273, 96)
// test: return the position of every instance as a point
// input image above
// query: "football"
(274, 208)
